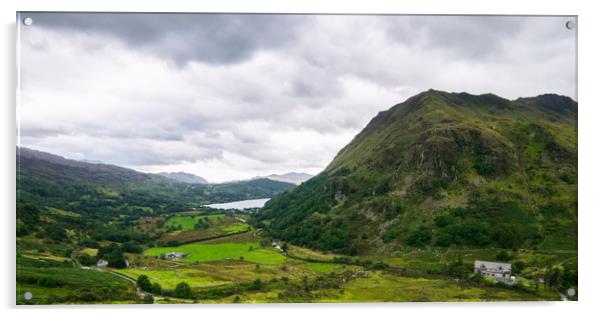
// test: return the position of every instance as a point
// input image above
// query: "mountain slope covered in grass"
(103, 190)
(62, 202)
(443, 169)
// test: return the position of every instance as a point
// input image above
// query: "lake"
(241, 204)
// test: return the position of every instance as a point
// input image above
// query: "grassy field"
(188, 222)
(198, 252)
(226, 270)
(305, 253)
(213, 226)
(321, 267)
(434, 259)
(222, 272)
(169, 278)
(234, 228)
(381, 287)
(89, 251)
(58, 283)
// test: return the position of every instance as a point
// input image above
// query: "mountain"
(292, 177)
(58, 168)
(104, 190)
(185, 177)
(443, 169)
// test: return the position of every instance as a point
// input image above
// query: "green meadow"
(234, 228)
(381, 287)
(197, 252)
(188, 222)
(57, 282)
(169, 278)
(321, 267)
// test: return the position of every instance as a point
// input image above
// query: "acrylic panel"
(283, 158)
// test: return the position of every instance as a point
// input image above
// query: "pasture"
(58, 282)
(169, 278)
(197, 252)
(321, 267)
(436, 259)
(210, 226)
(379, 287)
(188, 222)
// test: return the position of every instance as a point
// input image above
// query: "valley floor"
(234, 263)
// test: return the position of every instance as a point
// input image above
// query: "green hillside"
(65, 201)
(443, 169)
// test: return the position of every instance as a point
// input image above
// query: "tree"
(28, 213)
(116, 259)
(508, 236)
(131, 247)
(183, 290)
(444, 220)
(569, 278)
(518, 266)
(85, 259)
(113, 254)
(89, 243)
(144, 283)
(553, 277)
(502, 256)
(56, 233)
(458, 268)
(22, 230)
(444, 239)
(419, 237)
(156, 288)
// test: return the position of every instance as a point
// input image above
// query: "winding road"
(141, 294)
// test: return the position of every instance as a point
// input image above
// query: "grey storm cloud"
(229, 96)
(467, 36)
(210, 38)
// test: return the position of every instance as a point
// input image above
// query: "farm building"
(500, 271)
(102, 263)
(175, 255)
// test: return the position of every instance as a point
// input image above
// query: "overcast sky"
(235, 96)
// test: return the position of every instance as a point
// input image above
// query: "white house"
(175, 255)
(500, 271)
(102, 263)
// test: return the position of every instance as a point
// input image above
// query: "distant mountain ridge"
(292, 177)
(48, 180)
(185, 177)
(38, 161)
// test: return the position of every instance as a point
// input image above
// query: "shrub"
(502, 256)
(144, 283)
(419, 237)
(518, 266)
(85, 259)
(156, 288)
(183, 290)
(131, 247)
